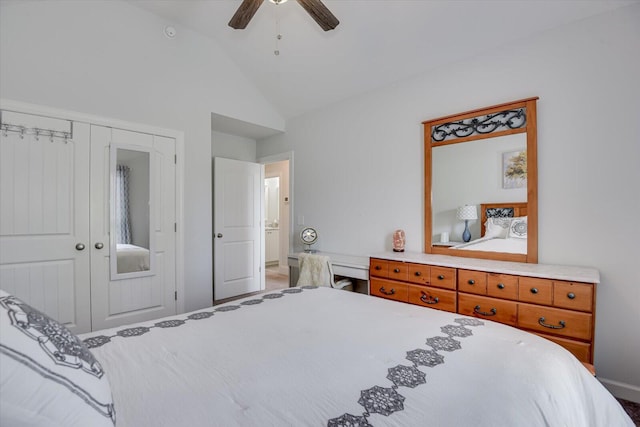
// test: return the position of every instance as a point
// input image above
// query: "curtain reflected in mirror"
(131, 222)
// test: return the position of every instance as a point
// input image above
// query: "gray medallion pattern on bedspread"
(375, 400)
(100, 340)
(387, 400)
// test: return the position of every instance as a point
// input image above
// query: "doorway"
(276, 223)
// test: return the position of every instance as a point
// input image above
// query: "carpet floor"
(633, 409)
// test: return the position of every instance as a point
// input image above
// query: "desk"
(355, 267)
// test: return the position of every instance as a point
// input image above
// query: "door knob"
(99, 245)
(80, 246)
(219, 236)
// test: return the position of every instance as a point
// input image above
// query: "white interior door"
(118, 302)
(238, 244)
(44, 219)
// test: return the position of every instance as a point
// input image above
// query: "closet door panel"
(44, 215)
(129, 300)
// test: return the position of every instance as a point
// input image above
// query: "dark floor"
(633, 409)
(273, 280)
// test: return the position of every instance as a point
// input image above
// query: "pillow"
(518, 228)
(48, 377)
(497, 227)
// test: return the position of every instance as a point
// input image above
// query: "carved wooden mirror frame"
(491, 122)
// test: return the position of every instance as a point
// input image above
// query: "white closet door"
(118, 302)
(44, 221)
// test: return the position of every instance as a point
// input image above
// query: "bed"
(311, 356)
(132, 258)
(503, 228)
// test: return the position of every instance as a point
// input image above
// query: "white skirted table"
(352, 266)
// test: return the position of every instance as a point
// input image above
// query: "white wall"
(233, 147)
(111, 59)
(359, 163)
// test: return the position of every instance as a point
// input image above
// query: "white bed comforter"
(318, 357)
(493, 244)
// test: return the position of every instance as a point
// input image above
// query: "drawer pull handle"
(378, 267)
(471, 282)
(500, 285)
(493, 312)
(391, 292)
(418, 274)
(440, 277)
(571, 295)
(534, 290)
(396, 270)
(428, 299)
(560, 325)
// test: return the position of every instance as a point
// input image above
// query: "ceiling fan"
(315, 8)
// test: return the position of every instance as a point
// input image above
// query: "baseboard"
(622, 390)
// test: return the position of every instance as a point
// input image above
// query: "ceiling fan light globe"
(278, 1)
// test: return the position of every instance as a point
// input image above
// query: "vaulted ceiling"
(376, 43)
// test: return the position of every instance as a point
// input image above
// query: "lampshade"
(467, 212)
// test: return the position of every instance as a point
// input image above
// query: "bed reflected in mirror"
(131, 217)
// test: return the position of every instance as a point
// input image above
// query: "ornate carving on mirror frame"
(485, 124)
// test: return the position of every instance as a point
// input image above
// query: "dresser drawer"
(389, 289)
(555, 321)
(443, 277)
(433, 297)
(538, 291)
(576, 296)
(488, 308)
(581, 350)
(419, 274)
(474, 282)
(502, 286)
(378, 267)
(398, 271)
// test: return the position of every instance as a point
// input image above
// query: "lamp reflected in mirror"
(467, 213)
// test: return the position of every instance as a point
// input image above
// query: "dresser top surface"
(544, 271)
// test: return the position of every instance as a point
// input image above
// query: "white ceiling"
(377, 42)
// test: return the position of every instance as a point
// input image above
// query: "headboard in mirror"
(500, 210)
(485, 158)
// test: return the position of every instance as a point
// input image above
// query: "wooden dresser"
(555, 302)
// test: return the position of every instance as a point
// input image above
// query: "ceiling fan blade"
(245, 12)
(320, 14)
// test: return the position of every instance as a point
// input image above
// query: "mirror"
(131, 232)
(271, 202)
(485, 159)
